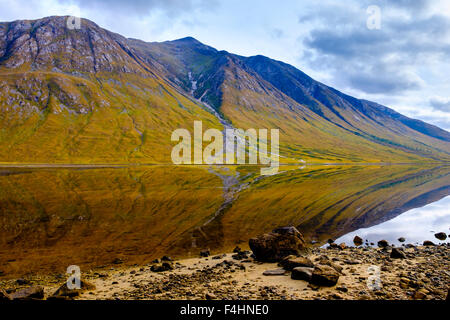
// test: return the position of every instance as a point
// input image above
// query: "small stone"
(383, 243)
(276, 272)
(401, 239)
(428, 243)
(166, 258)
(205, 253)
(397, 253)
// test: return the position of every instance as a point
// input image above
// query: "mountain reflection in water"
(55, 217)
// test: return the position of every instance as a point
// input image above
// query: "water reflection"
(53, 218)
(416, 226)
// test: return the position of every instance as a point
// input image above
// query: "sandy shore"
(422, 274)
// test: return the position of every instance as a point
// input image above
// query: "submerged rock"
(278, 244)
(383, 243)
(276, 272)
(357, 241)
(441, 236)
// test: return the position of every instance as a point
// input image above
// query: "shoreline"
(422, 275)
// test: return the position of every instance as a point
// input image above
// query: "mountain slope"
(93, 96)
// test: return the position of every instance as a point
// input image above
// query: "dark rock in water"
(441, 236)
(65, 293)
(276, 272)
(401, 239)
(166, 258)
(396, 253)
(428, 243)
(292, 262)
(302, 273)
(4, 296)
(383, 243)
(357, 241)
(162, 267)
(31, 293)
(324, 276)
(330, 241)
(280, 243)
(205, 253)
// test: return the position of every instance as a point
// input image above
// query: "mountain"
(93, 96)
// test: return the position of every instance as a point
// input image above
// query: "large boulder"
(278, 244)
(324, 276)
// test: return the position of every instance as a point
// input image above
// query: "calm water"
(52, 218)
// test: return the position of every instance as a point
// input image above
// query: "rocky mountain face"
(92, 96)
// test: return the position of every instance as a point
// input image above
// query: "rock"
(342, 246)
(162, 267)
(276, 272)
(31, 293)
(428, 243)
(441, 236)
(342, 289)
(324, 260)
(330, 241)
(166, 258)
(397, 253)
(237, 250)
(219, 257)
(357, 241)
(22, 282)
(4, 296)
(302, 273)
(210, 296)
(292, 262)
(280, 243)
(65, 293)
(324, 276)
(204, 253)
(401, 239)
(420, 294)
(240, 256)
(383, 243)
(117, 261)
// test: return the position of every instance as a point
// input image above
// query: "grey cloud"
(376, 61)
(144, 7)
(440, 105)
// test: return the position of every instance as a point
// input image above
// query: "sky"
(396, 53)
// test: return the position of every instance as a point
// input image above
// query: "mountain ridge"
(53, 82)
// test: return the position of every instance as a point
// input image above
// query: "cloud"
(440, 104)
(144, 7)
(387, 60)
